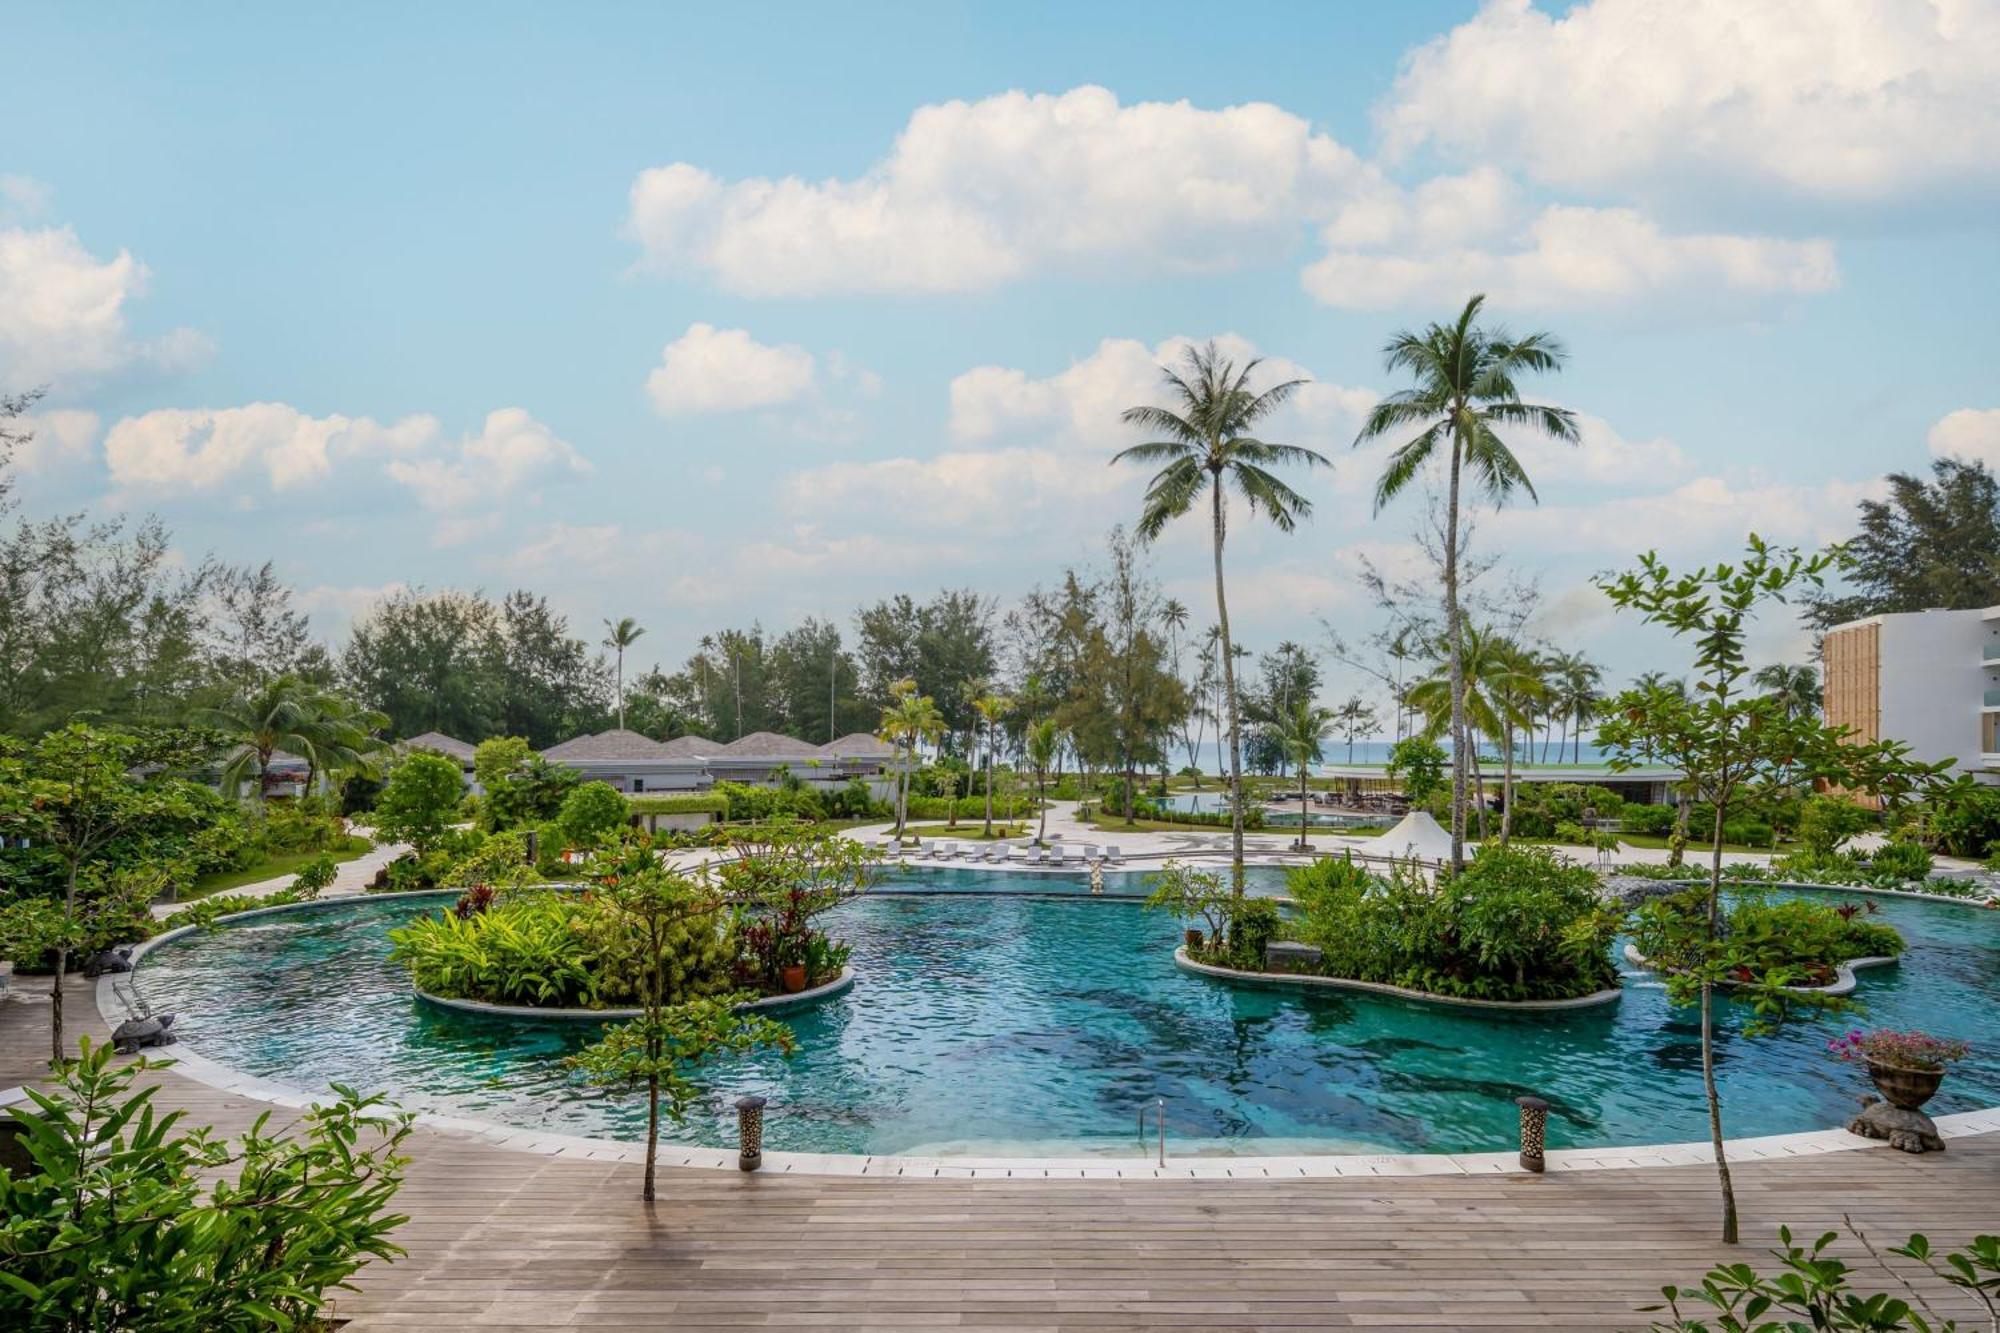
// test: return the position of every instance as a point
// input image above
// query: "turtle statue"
(1906, 1130)
(107, 961)
(135, 1034)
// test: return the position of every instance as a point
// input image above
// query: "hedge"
(689, 803)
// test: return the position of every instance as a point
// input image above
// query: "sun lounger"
(997, 852)
(1111, 855)
(1073, 852)
(926, 849)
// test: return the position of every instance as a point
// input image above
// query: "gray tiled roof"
(608, 747)
(451, 747)
(691, 747)
(858, 745)
(770, 745)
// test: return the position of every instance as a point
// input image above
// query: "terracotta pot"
(793, 978)
(1193, 941)
(1907, 1088)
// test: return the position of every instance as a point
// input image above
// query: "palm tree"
(1354, 717)
(1794, 688)
(1205, 442)
(277, 715)
(908, 720)
(1464, 388)
(1043, 741)
(343, 736)
(1578, 695)
(1486, 693)
(620, 635)
(1303, 730)
(991, 708)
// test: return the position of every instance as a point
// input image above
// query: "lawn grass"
(271, 867)
(970, 830)
(1115, 823)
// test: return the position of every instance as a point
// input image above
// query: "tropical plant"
(278, 715)
(1732, 745)
(592, 812)
(1465, 387)
(1304, 731)
(991, 707)
(1205, 444)
(909, 720)
(1044, 741)
(1419, 762)
(130, 1220)
(421, 800)
(660, 1048)
(1900, 1050)
(1353, 719)
(1795, 689)
(618, 636)
(1485, 691)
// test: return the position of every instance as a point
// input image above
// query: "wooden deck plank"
(505, 1240)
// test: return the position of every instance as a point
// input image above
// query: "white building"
(1930, 679)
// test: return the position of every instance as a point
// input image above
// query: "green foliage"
(1253, 924)
(679, 803)
(1762, 942)
(421, 801)
(134, 1222)
(1816, 1287)
(591, 813)
(520, 787)
(1517, 924)
(1964, 818)
(315, 876)
(1826, 822)
(1420, 763)
(1193, 894)
(559, 950)
(205, 912)
(1901, 860)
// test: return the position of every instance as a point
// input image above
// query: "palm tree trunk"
(1229, 690)
(1507, 790)
(1455, 636)
(1303, 844)
(1708, 1041)
(989, 779)
(621, 687)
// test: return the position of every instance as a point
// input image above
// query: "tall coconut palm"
(909, 720)
(1044, 739)
(991, 707)
(619, 635)
(1204, 443)
(1578, 695)
(343, 736)
(1485, 695)
(1303, 730)
(277, 715)
(1353, 718)
(1794, 688)
(1465, 387)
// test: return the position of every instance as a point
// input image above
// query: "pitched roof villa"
(635, 763)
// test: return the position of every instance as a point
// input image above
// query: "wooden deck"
(507, 1240)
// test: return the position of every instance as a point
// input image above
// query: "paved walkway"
(500, 1239)
(350, 877)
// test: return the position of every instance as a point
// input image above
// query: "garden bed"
(769, 1004)
(1315, 981)
(1842, 984)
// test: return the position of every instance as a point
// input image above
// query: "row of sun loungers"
(1001, 853)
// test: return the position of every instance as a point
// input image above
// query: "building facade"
(1929, 679)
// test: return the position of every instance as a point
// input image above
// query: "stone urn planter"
(793, 978)
(1907, 1088)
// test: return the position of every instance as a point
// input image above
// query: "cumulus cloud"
(65, 310)
(1970, 433)
(1700, 518)
(974, 194)
(1390, 251)
(1079, 406)
(57, 438)
(240, 452)
(708, 369)
(1836, 100)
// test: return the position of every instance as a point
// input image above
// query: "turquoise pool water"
(1037, 1018)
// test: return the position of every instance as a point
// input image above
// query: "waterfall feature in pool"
(1037, 1019)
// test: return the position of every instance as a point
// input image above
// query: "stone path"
(350, 877)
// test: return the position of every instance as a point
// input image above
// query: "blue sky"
(713, 315)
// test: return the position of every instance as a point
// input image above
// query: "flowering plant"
(1899, 1050)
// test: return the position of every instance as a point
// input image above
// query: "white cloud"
(57, 438)
(1600, 457)
(1970, 433)
(997, 492)
(974, 194)
(237, 452)
(65, 310)
(1079, 407)
(1702, 518)
(175, 451)
(1832, 99)
(1427, 251)
(23, 197)
(708, 369)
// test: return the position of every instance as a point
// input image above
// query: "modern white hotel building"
(1930, 679)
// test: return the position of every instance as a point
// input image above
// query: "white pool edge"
(191, 1064)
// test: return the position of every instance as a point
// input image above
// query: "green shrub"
(316, 876)
(679, 803)
(592, 812)
(1965, 819)
(1794, 941)
(1518, 924)
(1901, 860)
(1253, 924)
(131, 1220)
(520, 787)
(420, 801)
(1826, 822)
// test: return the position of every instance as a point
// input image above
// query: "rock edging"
(1843, 973)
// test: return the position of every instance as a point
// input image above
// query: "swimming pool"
(1018, 1015)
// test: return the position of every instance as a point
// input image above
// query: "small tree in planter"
(1734, 746)
(1193, 895)
(657, 1048)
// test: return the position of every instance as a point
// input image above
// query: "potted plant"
(1192, 938)
(1906, 1066)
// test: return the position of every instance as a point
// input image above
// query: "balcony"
(1991, 652)
(1993, 698)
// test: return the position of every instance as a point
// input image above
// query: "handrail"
(1159, 1118)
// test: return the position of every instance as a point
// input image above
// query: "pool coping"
(1844, 980)
(1991, 903)
(191, 1064)
(1312, 981)
(770, 1004)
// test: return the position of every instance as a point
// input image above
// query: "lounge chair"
(926, 849)
(1073, 852)
(997, 852)
(1111, 855)
(1038, 856)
